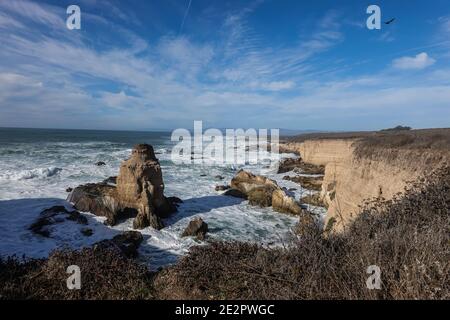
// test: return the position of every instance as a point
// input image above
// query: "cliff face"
(351, 179)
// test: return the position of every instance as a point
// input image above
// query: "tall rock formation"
(139, 190)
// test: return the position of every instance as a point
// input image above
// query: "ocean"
(38, 165)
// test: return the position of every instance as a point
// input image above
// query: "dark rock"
(235, 193)
(98, 199)
(297, 165)
(77, 217)
(289, 164)
(100, 163)
(50, 212)
(203, 175)
(196, 228)
(311, 183)
(87, 232)
(126, 243)
(219, 177)
(38, 227)
(110, 180)
(174, 200)
(46, 218)
(222, 188)
(69, 189)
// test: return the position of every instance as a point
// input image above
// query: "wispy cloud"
(418, 62)
(185, 16)
(52, 77)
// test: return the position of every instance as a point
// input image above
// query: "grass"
(389, 142)
(105, 274)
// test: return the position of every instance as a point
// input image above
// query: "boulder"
(222, 188)
(264, 192)
(100, 163)
(126, 243)
(139, 189)
(289, 164)
(310, 183)
(283, 203)
(196, 228)
(175, 201)
(87, 232)
(110, 180)
(54, 215)
(245, 181)
(77, 217)
(261, 196)
(299, 166)
(99, 199)
(235, 193)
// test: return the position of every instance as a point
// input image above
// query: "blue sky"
(142, 65)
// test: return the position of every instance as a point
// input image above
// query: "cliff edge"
(367, 166)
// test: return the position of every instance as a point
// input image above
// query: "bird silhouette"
(390, 21)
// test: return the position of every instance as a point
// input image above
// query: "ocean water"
(38, 165)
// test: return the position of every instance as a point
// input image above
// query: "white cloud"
(273, 85)
(420, 61)
(174, 80)
(39, 13)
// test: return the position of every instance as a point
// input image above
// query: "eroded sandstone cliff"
(352, 177)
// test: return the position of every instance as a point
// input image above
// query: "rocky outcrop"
(196, 228)
(310, 183)
(139, 191)
(283, 203)
(299, 166)
(235, 193)
(246, 181)
(350, 180)
(222, 188)
(110, 180)
(99, 199)
(264, 192)
(53, 215)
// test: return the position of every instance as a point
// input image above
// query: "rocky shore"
(317, 263)
(139, 192)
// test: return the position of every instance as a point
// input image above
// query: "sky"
(147, 65)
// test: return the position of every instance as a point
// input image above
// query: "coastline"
(172, 272)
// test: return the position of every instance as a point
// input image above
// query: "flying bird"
(390, 21)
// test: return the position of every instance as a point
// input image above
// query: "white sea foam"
(25, 191)
(30, 174)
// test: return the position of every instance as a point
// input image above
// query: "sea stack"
(140, 186)
(139, 190)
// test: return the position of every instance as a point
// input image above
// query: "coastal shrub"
(105, 274)
(407, 238)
